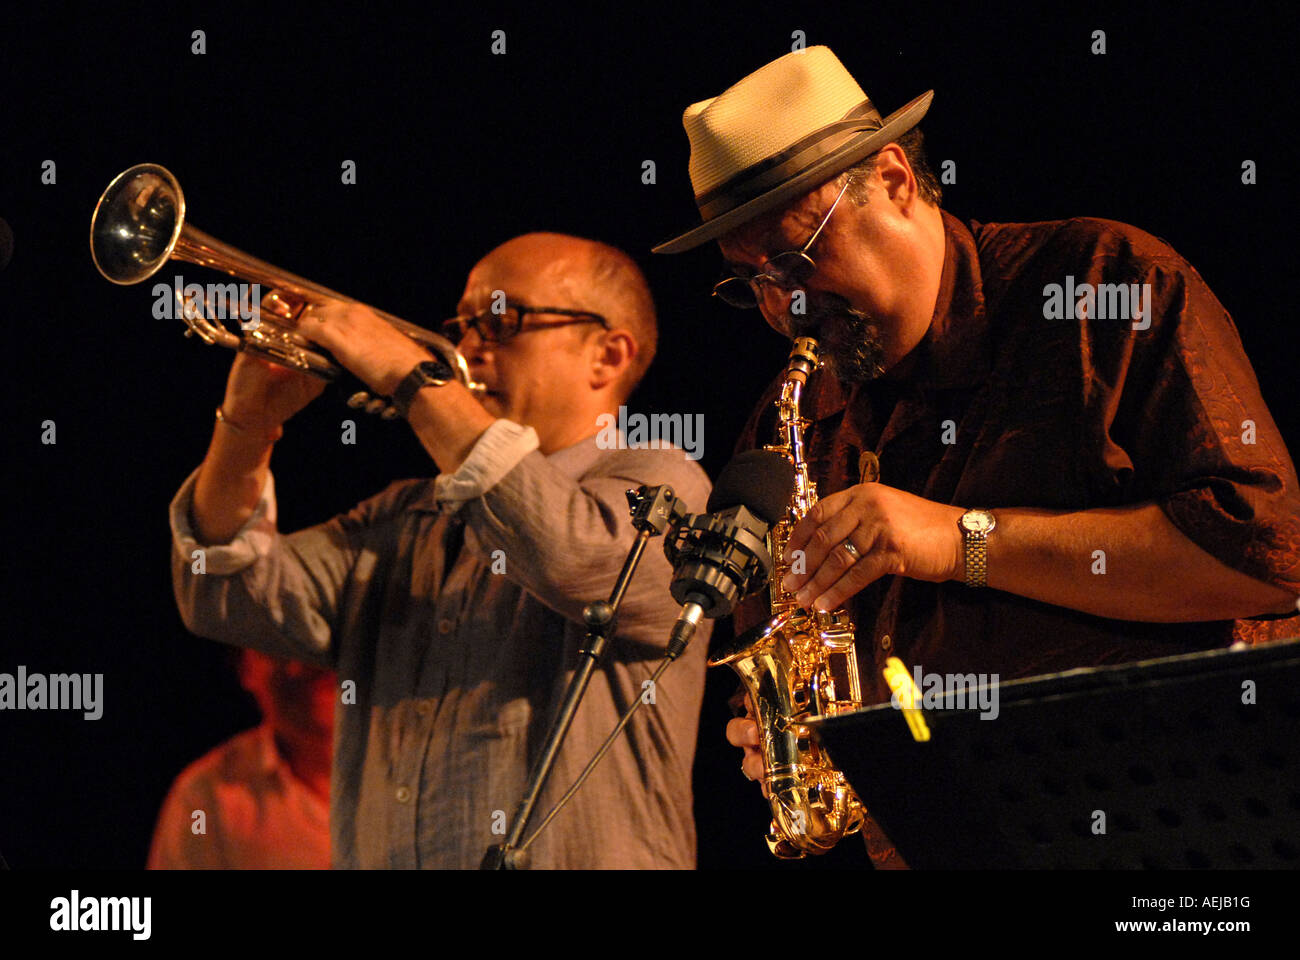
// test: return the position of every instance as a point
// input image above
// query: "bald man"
(451, 608)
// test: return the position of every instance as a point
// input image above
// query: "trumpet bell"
(139, 225)
(136, 224)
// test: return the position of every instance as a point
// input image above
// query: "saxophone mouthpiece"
(804, 358)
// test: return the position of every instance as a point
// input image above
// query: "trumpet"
(139, 224)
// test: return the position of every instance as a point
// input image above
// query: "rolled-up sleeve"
(274, 592)
(495, 453)
(253, 539)
(563, 538)
(1182, 422)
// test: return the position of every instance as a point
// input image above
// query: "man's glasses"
(493, 327)
(789, 270)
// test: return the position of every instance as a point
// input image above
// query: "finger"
(251, 369)
(822, 511)
(312, 387)
(823, 544)
(314, 314)
(319, 324)
(752, 765)
(838, 562)
(270, 366)
(279, 376)
(742, 732)
(866, 571)
(277, 305)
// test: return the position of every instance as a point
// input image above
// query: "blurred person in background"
(264, 793)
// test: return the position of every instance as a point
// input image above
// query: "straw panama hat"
(778, 133)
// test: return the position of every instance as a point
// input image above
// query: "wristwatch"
(427, 373)
(976, 525)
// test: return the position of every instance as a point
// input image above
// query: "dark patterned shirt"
(1063, 414)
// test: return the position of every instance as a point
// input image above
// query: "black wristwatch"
(428, 373)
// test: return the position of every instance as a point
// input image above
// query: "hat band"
(758, 178)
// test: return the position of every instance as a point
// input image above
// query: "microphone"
(6, 244)
(721, 556)
(763, 480)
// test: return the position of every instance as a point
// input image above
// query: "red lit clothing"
(1063, 414)
(256, 814)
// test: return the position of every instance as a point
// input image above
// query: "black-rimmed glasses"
(494, 327)
(788, 270)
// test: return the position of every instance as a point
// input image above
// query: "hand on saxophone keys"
(891, 532)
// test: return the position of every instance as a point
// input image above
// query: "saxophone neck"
(790, 423)
(790, 428)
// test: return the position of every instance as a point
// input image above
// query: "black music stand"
(1185, 773)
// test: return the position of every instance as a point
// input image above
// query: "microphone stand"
(653, 509)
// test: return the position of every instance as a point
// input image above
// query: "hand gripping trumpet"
(139, 224)
(799, 665)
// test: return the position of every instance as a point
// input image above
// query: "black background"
(457, 150)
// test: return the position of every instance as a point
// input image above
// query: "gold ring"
(853, 551)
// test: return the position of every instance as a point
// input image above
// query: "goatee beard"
(849, 339)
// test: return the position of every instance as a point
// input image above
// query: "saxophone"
(800, 664)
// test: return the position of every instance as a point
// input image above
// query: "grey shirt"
(452, 611)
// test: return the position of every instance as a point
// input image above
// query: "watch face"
(977, 521)
(436, 370)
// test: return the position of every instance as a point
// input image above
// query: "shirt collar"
(955, 350)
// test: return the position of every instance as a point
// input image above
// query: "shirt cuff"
(253, 540)
(496, 453)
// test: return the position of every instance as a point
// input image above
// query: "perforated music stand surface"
(1184, 772)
